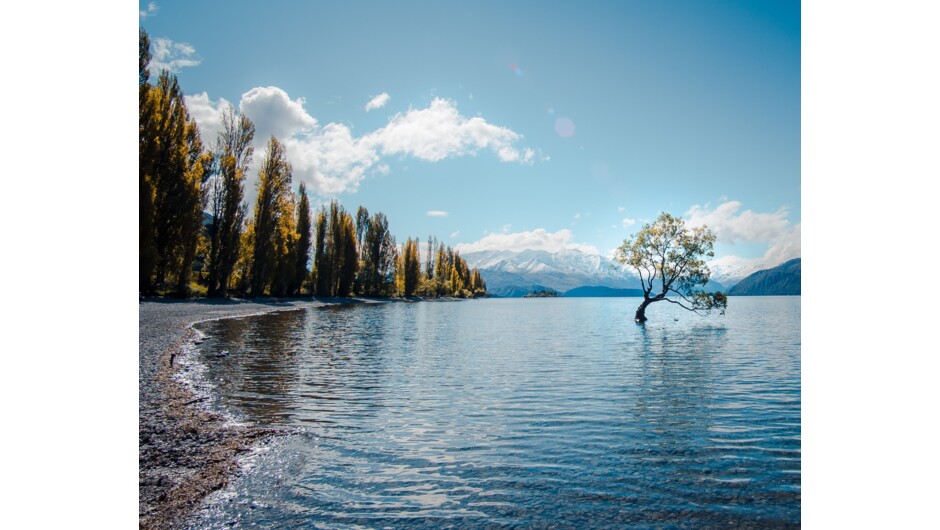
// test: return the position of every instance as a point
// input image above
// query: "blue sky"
(530, 124)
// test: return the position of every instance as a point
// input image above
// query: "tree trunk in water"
(641, 311)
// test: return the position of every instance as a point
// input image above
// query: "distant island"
(546, 293)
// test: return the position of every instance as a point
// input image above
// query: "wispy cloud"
(436, 213)
(378, 101)
(628, 222)
(538, 239)
(149, 11)
(330, 159)
(172, 56)
(454, 234)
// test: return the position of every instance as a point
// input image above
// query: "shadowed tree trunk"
(641, 311)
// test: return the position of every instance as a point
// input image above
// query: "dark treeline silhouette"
(186, 250)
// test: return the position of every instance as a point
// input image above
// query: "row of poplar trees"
(223, 250)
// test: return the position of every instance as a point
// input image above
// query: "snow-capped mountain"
(515, 273)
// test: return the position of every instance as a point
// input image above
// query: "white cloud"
(172, 56)
(730, 226)
(151, 10)
(620, 209)
(208, 116)
(436, 213)
(378, 101)
(454, 234)
(538, 239)
(274, 113)
(440, 131)
(628, 222)
(784, 248)
(331, 160)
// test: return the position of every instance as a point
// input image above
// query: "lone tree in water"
(668, 256)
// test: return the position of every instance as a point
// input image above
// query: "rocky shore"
(185, 451)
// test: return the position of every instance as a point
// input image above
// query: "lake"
(544, 413)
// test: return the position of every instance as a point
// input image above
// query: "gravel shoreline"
(185, 452)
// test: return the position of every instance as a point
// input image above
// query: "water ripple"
(516, 413)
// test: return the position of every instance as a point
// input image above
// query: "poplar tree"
(274, 180)
(411, 267)
(147, 254)
(348, 254)
(378, 257)
(233, 153)
(362, 225)
(429, 262)
(322, 271)
(171, 173)
(285, 247)
(303, 242)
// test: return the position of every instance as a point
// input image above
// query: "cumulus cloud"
(628, 222)
(378, 101)
(331, 160)
(538, 239)
(730, 227)
(151, 10)
(172, 56)
(275, 113)
(440, 131)
(436, 213)
(208, 115)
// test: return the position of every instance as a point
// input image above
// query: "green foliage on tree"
(378, 257)
(336, 256)
(669, 258)
(348, 255)
(303, 223)
(322, 271)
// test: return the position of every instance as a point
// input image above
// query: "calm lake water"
(545, 413)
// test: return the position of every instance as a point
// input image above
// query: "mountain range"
(784, 279)
(511, 273)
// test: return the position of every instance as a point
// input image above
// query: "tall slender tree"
(233, 153)
(147, 256)
(348, 255)
(429, 262)
(274, 181)
(322, 268)
(378, 257)
(411, 267)
(303, 224)
(171, 173)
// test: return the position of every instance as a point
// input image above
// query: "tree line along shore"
(198, 239)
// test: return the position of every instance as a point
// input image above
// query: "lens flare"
(551, 111)
(564, 127)
(516, 70)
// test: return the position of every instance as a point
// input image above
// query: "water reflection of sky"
(518, 412)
